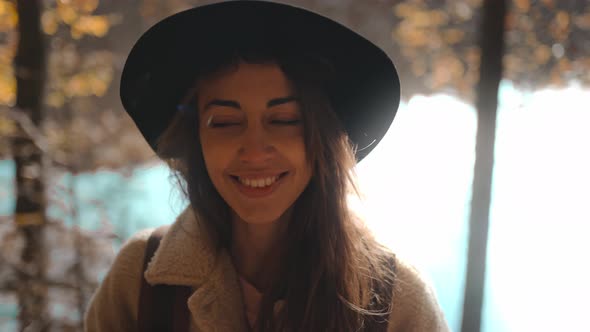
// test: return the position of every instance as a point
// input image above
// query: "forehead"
(245, 80)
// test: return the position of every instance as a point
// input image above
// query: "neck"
(255, 250)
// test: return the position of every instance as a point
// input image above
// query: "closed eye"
(223, 124)
(286, 122)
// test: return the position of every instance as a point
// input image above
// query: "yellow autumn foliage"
(8, 16)
(88, 83)
(404, 9)
(66, 13)
(522, 5)
(8, 24)
(7, 86)
(94, 25)
(438, 41)
(55, 99)
(84, 6)
(583, 21)
(542, 54)
(544, 42)
(49, 21)
(446, 69)
(76, 14)
(7, 126)
(453, 36)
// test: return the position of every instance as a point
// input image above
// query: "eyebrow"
(236, 105)
(280, 101)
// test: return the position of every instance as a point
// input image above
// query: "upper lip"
(257, 175)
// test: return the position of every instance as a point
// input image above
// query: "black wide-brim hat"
(162, 66)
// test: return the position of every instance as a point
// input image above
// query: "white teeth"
(258, 183)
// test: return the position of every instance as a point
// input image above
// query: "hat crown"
(166, 60)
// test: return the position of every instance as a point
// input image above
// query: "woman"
(262, 110)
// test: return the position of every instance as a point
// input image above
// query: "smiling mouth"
(258, 181)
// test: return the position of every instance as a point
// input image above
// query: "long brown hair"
(332, 268)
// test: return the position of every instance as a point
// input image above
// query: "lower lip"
(258, 192)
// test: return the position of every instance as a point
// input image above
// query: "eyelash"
(286, 122)
(223, 124)
(275, 122)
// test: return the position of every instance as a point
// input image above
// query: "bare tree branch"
(32, 132)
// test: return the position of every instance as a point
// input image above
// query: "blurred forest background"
(61, 118)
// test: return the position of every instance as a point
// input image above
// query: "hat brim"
(162, 65)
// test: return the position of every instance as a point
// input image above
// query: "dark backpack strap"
(161, 307)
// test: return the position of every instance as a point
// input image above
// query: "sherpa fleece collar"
(187, 256)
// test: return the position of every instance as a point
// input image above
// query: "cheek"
(214, 156)
(295, 152)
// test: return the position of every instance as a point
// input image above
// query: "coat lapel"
(187, 256)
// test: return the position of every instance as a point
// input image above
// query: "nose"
(255, 147)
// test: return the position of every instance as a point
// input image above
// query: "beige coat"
(186, 257)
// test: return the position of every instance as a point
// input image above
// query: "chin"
(259, 219)
(259, 216)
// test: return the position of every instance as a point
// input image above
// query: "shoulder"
(410, 282)
(132, 251)
(128, 264)
(414, 303)
(113, 306)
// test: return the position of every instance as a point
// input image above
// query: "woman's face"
(251, 134)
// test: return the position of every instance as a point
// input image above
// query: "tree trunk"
(30, 75)
(492, 51)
